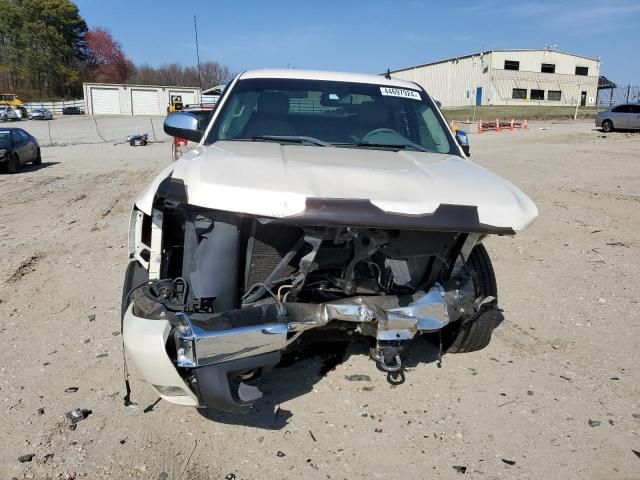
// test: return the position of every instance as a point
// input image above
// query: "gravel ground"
(555, 395)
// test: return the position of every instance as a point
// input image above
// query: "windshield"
(5, 140)
(339, 114)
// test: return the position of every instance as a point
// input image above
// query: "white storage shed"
(125, 99)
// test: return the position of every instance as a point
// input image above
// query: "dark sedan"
(17, 147)
(72, 111)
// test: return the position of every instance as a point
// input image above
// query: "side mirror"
(463, 141)
(183, 125)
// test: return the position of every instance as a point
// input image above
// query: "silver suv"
(620, 117)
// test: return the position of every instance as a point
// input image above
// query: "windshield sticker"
(400, 92)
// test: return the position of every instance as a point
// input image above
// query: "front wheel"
(13, 164)
(607, 126)
(134, 277)
(475, 334)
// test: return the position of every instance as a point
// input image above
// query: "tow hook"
(387, 356)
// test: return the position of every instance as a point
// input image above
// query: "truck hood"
(273, 180)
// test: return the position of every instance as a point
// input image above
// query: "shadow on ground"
(298, 372)
(32, 168)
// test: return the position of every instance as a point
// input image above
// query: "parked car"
(317, 204)
(8, 112)
(72, 111)
(17, 147)
(41, 114)
(620, 117)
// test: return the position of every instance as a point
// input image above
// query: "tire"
(13, 165)
(38, 160)
(607, 126)
(475, 334)
(134, 276)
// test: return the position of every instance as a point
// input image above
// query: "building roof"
(131, 85)
(329, 76)
(491, 51)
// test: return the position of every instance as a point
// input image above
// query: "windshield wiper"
(293, 138)
(415, 146)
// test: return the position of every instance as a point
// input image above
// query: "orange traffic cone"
(525, 126)
(511, 125)
(497, 125)
(480, 129)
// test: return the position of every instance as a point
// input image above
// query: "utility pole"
(628, 91)
(195, 27)
(575, 114)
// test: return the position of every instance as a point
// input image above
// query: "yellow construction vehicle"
(10, 99)
(175, 104)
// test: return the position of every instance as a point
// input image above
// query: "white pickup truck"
(315, 203)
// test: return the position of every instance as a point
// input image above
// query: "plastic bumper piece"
(220, 392)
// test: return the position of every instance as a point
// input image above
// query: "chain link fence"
(54, 107)
(616, 94)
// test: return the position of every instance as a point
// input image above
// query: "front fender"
(144, 201)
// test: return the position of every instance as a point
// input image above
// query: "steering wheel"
(377, 131)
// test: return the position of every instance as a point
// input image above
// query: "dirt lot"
(556, 395)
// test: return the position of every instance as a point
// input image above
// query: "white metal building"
(124, 99)
(509, 77)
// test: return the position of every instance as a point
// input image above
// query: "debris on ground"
(594, 423)
(91, 317)
(71, 389)
(230, 476)
(280, 454)
(509, 462)
(358, 378)
(26, 458)
(460, 469)
(163, 476)
(616, 244)
(76, 415)
(48, 457)
(139, 139)
(40, 411)
(636, 452)
(313, 437)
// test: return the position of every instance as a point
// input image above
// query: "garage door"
(105, 101)
(188, 98)
(144, 102)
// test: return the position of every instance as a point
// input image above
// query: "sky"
(368, 36)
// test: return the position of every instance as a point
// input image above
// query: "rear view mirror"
(463, 141)
(183, 125)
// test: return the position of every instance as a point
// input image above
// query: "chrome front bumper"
(210, 348)
(268, 328)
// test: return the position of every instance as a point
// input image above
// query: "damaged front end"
(214, 298)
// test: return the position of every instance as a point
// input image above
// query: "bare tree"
(212, 73)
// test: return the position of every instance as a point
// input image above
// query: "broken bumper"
(214, 351)
(210, 386)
